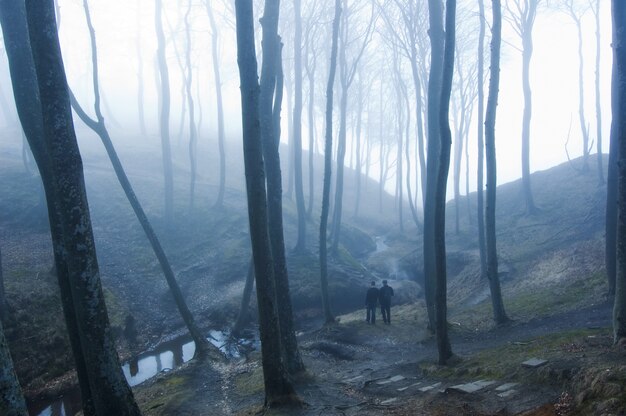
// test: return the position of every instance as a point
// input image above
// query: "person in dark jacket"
(371, 300)
(384, 297)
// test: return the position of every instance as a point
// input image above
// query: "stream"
(165, 357)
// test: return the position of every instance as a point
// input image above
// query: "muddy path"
(354, 368)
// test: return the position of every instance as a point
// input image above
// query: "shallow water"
(166, 356)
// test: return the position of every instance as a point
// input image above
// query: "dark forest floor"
(358, 369)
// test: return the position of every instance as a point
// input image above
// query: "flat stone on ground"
(353, 379)
(507, 393)
(472, 387)
(408, 387)
(506, 386)
(534, 363)
(389, 401)
(428, 388)
(391, 380)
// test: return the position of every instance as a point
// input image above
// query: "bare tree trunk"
(220, 106)
(297, 129)
(140, 98)
(436, 34)
(441, 308)
(12, 401)
(110, 391)
(618, 91)
(611, 196)
(164, 117)
(193, 134)
(596, 11)
(311, 120)
(328, 315)
(204, 349)
(244, 313)
(480, 200)
(358, 167)
(499, 313)
(278, 389)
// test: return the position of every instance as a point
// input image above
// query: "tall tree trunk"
(619, 124)
(499, 313)
(164, 116)
(203, 347)
(110, 391)
(26, 93)
(435, 12)
(311, 120)
(584, 129)
(297, 128)
(220, 105)
(420, 124)
(12, 401)
(441, 308)
(193, 134)
(341, 156)
(480, 200)
(278, 389)
(244, 314)
(596, 10)
(271, 68)
(358, 162)
(611, 194)
(527, 53)
(328, 315)
(140, 98)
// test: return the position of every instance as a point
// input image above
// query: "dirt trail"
(360, 369)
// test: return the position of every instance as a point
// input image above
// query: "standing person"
(384, 297)
(371, 299)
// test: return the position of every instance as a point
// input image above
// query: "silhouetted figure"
(371, 300)
(384, 297)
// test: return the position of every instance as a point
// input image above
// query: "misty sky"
(126, 28)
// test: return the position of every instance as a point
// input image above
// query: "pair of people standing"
(375, 296)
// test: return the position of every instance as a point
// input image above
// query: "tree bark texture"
(611, 196)
(435, 13)
(499, 313)
(193, 133)
(619, 118)
(164, 116)
(278, 389)
(110, 391)
(271, 68)
(328, 149)
(441, 308)
(600, 169)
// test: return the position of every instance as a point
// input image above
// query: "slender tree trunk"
(12, 401)
(278, 389)
(441, 308)
(164, 116)
(328, 315)
(499, 313)
(480, 207)
(436, 34)
(581, 96)
(203, 347)
(341, 156)
(297, 129)
(193, 134)
(619, 124)
(419, 122)
(244, 313)
(220, 106)
(611, 195)
(140, 92)
(458, 152)
(527, 53)
(311, 120)
(358, 167)
(596, 11)
(110, 391)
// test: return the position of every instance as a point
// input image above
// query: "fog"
(126, 51)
